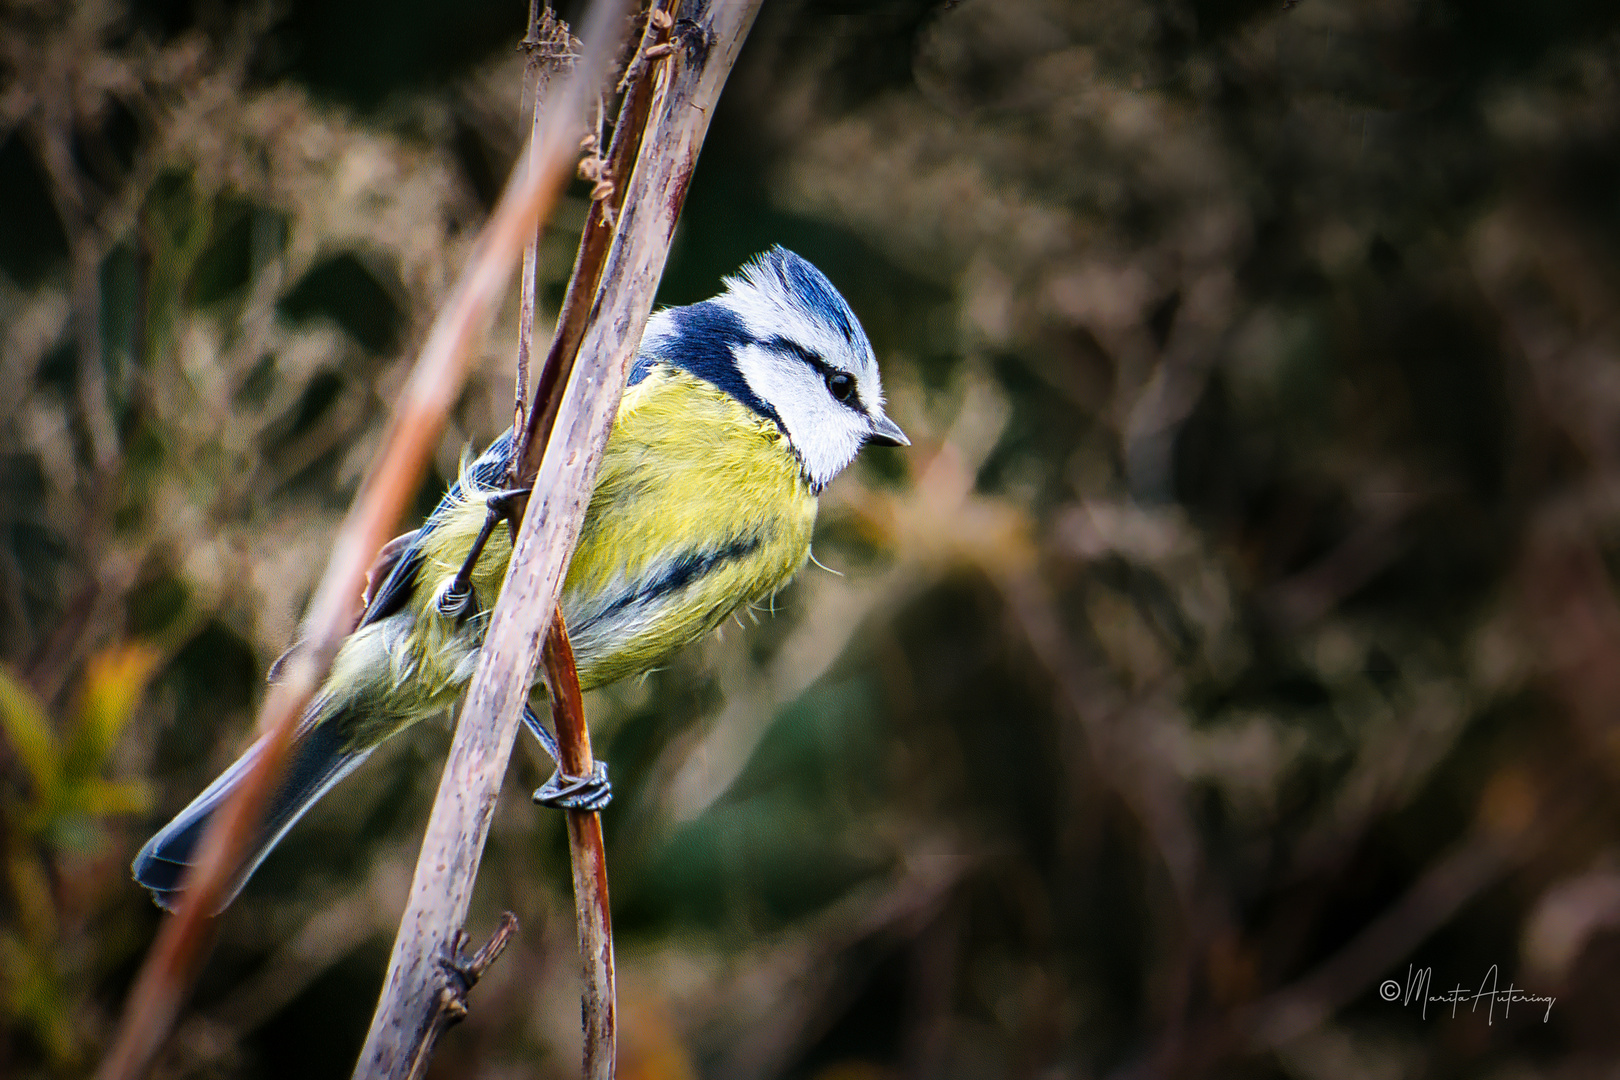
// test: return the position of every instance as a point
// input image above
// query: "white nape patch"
(825, 433)
(660, 330)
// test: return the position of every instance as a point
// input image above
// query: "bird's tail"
(318, 761)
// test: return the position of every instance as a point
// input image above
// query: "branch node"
(661, 22)
(462, 972)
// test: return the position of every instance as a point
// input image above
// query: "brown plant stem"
(549, 46)
(685, 94)
(598, 1005)
(434, 385)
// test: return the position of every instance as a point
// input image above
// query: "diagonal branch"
(686, 92)
(598, 1004)
(462, 973)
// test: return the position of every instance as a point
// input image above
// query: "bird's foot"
(457, 597)
(591, 792)
(454, 601)
(501, 501)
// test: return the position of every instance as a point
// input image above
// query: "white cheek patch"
(826, 435)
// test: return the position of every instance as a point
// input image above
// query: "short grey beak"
(886, 432)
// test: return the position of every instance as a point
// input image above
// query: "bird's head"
(784, 342)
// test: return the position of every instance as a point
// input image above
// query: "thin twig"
(1471, 865)
(598, 1005)
(549, 46)
(434, 386)
(459, 824)
(86, 244)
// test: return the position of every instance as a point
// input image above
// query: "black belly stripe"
(681, 573)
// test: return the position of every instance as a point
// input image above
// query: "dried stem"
(598, 1005)
(86, 251)
(1472, 865)
(434, 386)
(686, 92)
(550, 49)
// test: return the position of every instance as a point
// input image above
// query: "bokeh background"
(1240, 632)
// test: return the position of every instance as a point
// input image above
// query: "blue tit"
(738, 412)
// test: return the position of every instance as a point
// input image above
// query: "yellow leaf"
(114, 680)
(102, 798)
(30, 889)
(29, 732)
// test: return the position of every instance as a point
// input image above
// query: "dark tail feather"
(318, 762)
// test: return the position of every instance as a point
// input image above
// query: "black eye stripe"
(824, 369)
(787, 345)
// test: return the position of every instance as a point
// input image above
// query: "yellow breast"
(700, 507)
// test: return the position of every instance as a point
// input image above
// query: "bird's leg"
(453, 602)
(563, 792)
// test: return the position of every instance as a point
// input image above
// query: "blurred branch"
(785, 994)
(1448, 884)
(433, 387)
(1200, 326)
(85, 244)
(1376, 541)
(1511, 827)
(1117, 728)
(459, 825)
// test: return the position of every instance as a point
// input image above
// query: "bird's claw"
(452, 603)
(501, 501)
(590, 793)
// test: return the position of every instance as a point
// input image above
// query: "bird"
(737, 413)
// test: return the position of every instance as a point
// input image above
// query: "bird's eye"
(841, 385)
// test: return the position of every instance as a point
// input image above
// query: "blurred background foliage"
(1241, 631)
